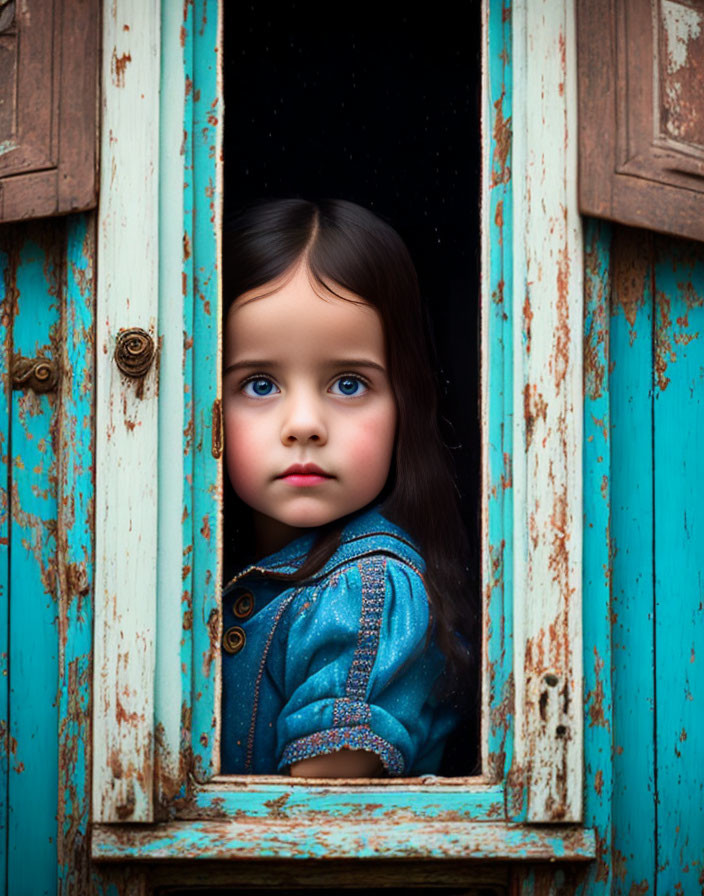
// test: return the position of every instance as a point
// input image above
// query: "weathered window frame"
(157, 619)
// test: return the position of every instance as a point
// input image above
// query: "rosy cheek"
(373, 446)
(240, 456)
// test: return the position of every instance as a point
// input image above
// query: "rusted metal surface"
(39, 374)
(134, 352)
(126, 420)
(547, 423)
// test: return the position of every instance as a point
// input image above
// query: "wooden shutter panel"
(48, 106)
(641, 113)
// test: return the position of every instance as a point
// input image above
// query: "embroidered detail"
(334, 739)
(350, 712)
(373, 593)
(260, 674)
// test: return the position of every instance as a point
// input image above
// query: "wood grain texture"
(641, 82)
(36, 276)
(49, 100)
(126, 418)
(497, 314)
(597, 647)
(206, 495)
(6, 303)
(632, 560)
(678, 464)
(218, 840)
(173, 684)
(75, 537)
(547, 416)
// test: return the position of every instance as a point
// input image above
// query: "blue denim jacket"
(342, 660)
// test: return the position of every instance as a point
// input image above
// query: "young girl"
(342, 646)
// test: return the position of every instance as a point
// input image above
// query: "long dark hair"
(347, 245)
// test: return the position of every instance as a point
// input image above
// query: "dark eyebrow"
(244, 365)
(270, 365)
(358, 362)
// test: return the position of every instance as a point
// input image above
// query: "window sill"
(394, 837)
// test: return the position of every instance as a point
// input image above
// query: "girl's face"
(310, 416)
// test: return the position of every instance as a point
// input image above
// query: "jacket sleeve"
(361, 671)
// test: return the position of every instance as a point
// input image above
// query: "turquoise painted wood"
(598, 698)
(35, 272)
(497, 361)
(47, 299)
(657, 423)
(678, 611)
(632, 533)
(5, 397)
(75, 450)
(205, 134)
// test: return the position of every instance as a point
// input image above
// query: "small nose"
(303, 421)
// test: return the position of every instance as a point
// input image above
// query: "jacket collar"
(367, 532)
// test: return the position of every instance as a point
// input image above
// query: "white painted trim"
(547, 427)
(126, 416)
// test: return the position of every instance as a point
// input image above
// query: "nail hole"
(561, 731)
(551, 679)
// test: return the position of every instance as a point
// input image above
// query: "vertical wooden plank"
(188, 528)
(497, 392)
(547, 421)
(126, 418)
(678, 459)
(171, 761)
(33, 711)
(632, 562)
(7, 289)
(207, 431)
(598, 700)
(75, 554)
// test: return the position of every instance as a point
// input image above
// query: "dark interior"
(378, 104)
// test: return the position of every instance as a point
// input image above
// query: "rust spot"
(527, 321)
(216, 430)
(186, 246)
(599, 782)
(118, 64)
(595, 697)
(126, 809)
(534, 408)
(115, 764)
(639, 889)
(631, 273)
(602, 857)
(502, 133)
(205, 528)
(562, 328)
(499, 219)
(276, 806)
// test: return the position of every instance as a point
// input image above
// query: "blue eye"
(348, 386)
(259, 387)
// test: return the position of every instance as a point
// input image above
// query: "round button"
(233, 640)
(244, 605)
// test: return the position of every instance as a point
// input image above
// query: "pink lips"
(304, 474)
